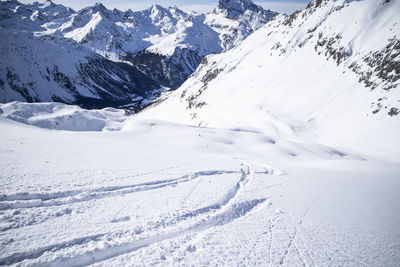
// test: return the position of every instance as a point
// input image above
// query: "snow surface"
(63, 117)
(263, 157)
(159, 193)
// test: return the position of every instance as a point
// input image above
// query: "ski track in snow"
(74, 196)
(30, 200)
(295, 235)
(236, 211)
(222, 212)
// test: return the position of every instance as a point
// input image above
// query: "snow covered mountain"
(15, 15)
(234, 20)
(322, 73)
(38, 67)
(162, 47)
(165, 43)
(45, 68)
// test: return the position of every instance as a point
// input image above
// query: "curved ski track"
(222, 212)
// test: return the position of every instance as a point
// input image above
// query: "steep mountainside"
(37, 69)
(329, 73)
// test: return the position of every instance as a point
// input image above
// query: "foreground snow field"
(168, 194)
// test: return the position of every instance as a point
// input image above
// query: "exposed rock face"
(169, 71)
(122, 82)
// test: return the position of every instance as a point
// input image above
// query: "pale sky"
(285, 6)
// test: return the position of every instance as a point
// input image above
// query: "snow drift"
(63, 117)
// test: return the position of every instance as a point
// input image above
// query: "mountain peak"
(235, 2)
(157, 11)
(157, 7)
(99, 6)
(48, 3)
(96, 7)
(12, 2)
(235, 8)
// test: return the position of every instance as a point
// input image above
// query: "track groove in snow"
(294, 235)
(31, 200)
(36, 253)
(26, 200)
(246, 176)
(236, 211)
(225, 210)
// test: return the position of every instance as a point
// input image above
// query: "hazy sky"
(287, 6)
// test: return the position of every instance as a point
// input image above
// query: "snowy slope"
(328, 73)
(159, 193)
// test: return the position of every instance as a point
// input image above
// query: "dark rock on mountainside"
(169, 71)
(115, 83)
